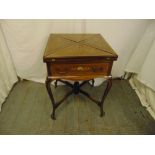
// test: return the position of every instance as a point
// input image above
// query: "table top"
(78, 45)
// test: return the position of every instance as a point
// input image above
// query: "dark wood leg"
(83, 83)
(53, 114)
(76, 89)
(88, 95)
(48, 87)
(56, 83)
(54, 103)
(108, 87)
(93, 81)
(66, 82)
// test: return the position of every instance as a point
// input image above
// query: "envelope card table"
(79, 58)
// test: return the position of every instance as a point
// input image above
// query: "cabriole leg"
(48, 87)
(108, 87)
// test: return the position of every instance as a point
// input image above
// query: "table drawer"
(80, 69)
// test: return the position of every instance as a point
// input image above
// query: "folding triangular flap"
(55, 42)
(77, 37)
(77, 45)
(100, 43)
(78, 50)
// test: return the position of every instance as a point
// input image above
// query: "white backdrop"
(142, 64)
(142, 60)
(8, 75)
(27, 39)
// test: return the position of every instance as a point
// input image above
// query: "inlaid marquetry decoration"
(78, 57)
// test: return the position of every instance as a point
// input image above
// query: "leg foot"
(102, 112)
(48, 87)
(53, 115)
(108, 87)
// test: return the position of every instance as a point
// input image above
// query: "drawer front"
(80, 69)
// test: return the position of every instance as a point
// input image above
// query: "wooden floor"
(27, 111)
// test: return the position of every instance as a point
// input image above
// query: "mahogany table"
(78, 57)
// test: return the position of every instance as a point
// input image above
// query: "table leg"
(93, 81)
(48, 87)
(56, 81)
(108, 87)
(76, 89)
